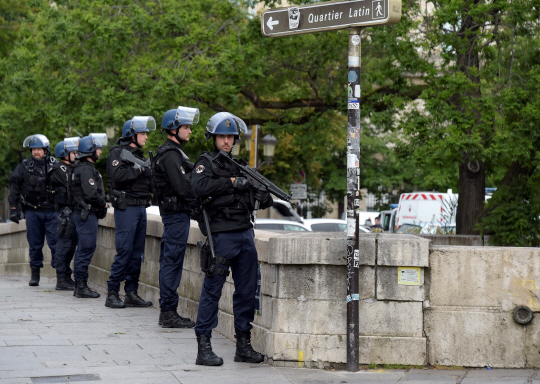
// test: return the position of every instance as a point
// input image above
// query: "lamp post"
(251, 140)
(236, 147)
(269, 147)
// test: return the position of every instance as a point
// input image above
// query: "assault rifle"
(252, 174)
(138, 163)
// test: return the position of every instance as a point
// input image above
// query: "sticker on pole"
(408, 275)
(353, 104)
(355, 39)
(354, 61)
(351, 226)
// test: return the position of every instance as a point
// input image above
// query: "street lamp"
(269, 146)
(236, 147)
(247, 138)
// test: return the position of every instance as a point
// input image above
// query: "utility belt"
(85, 209)
(210, 266)
(120, 201)
(169, 204)
(36, 202)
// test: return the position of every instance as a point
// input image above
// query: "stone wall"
(459, 312)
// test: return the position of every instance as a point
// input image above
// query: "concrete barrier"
(419, 303)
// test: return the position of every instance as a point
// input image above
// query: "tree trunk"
(516, 175)
(472, 185)
(472, 172)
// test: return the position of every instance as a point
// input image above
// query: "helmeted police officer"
(129, 176)
(229, 200)
(89, 195)
(28, 189)
(172, 189)
(60, 184)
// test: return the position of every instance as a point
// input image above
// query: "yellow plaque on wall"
(409, 275)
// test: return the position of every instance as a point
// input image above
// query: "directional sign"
(321, 17)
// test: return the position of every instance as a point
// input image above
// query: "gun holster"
(209, 266)
(84, 213)
(119, 200)
(62, 225)
(66, 226)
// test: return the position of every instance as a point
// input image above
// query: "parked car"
(330, 225)
(286, 211)
(280, 225)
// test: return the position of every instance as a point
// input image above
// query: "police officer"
(28, 190)
(172, 188)
(89, 195)
(231, 200)
(64, 204)
(129, 177)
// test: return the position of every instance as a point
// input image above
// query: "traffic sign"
(297, 187)
(298, 191)
(299, 195)
(321, 17)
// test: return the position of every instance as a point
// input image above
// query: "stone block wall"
(458, 313)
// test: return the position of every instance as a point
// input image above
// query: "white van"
(421, 209)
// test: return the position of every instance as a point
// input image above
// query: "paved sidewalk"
(51, 337)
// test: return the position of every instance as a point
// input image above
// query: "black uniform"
(174, 194)
(87, 188)
(130, 190)
(230, 223)
(59, 181)
(28, 188)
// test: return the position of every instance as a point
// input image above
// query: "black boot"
(244, 350)
(205, 355)
(63, 285)
(171, 319)
(133, 300)
(84, 292)
(34, 280)
(75, 290)
(113, 300)
(70, 281)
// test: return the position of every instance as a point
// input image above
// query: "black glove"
(262, 194)
(241, 184)
(14, 215)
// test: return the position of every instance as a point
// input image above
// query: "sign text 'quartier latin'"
(327, 16)
(353, 13)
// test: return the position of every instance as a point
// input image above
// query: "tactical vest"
(76, 187)
(138, 187)
(167, 199)
(231, 203)
(62, 193)
(35, 181)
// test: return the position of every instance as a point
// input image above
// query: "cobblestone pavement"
(52, 337)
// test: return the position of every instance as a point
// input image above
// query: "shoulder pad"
(205, 155)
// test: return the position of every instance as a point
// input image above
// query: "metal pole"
(353, 199)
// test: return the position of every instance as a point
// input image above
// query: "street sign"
(321, 17)
(297, 187)
(299, 195)
(298, 191)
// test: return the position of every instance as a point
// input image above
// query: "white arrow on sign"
(271, 23)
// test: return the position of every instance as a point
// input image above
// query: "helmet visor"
(71, 144)
(99, 139)
(143, 124)
(219, 117)
(36, 138)
(192, 114)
